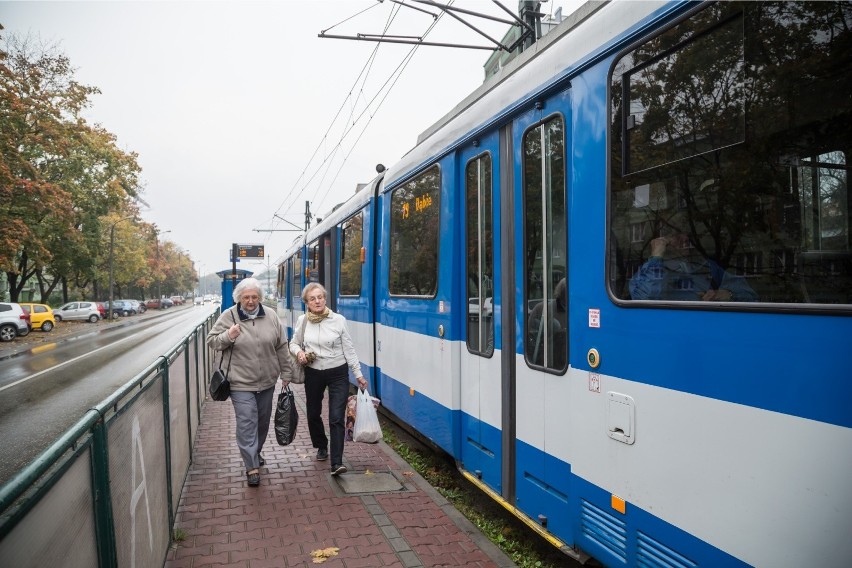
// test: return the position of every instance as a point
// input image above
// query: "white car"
(78, 311)
(14, 321)
(198, 301)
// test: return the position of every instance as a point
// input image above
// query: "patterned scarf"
(316, 318)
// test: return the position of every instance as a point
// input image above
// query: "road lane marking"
(67, 362)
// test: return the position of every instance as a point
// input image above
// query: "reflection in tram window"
(545, 245)
(480, 256)
(352, 240)
(730, 180)
(296, 275)
(415, 216)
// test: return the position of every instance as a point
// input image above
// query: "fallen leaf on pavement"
(323, 554)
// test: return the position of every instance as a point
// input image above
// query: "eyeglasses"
(250, 297)
(315, 298)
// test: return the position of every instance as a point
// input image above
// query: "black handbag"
(220, 387)
(286, 417)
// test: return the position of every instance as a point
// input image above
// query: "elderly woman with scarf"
(258, 357)
(325, 347)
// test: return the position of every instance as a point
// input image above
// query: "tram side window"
(281, 281)
(352, 240)
(730, 158)
(296, 274)
(415, 220)
(480, 256)
(314, 261)
(545, 246)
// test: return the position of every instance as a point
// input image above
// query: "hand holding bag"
(286, 417)
(367, 428)
(297, 368)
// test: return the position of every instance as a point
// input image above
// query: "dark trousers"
(337, 382)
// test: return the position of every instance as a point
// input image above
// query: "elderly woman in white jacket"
(327, 351)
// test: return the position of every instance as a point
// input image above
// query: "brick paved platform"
(380, 513)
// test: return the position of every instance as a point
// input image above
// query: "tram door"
(320, 255)
(480, 361)
(540, 249)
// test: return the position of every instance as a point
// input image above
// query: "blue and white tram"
(335, 253)
(616, 284)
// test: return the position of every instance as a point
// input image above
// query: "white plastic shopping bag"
(367, 428)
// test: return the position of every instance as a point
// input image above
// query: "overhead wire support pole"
(297, 228)
(514, 17)
(435, 16)
(380, 39)
(449, 11)
(308, 216)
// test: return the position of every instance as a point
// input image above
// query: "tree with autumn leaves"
(66, 188)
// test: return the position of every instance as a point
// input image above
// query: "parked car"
(14, 321)
(136, 306)
(103, 307)
(177, 300)
(125, 306)
(41, 316)
(153, 304)
(167, 302)
(86, 311)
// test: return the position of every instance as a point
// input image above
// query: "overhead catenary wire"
(290, 199)
(302, 183)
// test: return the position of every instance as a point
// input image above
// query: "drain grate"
(367, 483)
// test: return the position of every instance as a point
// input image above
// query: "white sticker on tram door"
(594, 382)
(594, 317)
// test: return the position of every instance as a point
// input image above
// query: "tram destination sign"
(246, 251)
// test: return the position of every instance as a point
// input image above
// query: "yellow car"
(41, 316)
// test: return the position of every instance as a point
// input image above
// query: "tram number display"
(247, 251)
(421, 203)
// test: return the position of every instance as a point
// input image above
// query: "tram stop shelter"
(230, 278)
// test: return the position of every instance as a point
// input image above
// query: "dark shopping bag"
(286, 417)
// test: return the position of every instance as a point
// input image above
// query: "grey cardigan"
(260, 353)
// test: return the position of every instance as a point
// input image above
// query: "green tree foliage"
(60, 177)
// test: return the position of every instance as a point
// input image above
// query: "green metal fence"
(106, 491)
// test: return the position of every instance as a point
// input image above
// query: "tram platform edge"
(380, 513)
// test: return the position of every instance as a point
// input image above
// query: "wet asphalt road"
(43, 393)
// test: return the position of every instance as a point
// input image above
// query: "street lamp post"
(157, 234)
(111, 243)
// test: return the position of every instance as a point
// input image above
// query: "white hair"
(247, 284)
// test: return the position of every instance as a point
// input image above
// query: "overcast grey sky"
(231, 105)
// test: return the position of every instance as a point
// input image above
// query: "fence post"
(167, 434)
(104, 521)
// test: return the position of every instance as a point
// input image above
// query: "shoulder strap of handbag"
(231, 354)
(304, 322)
